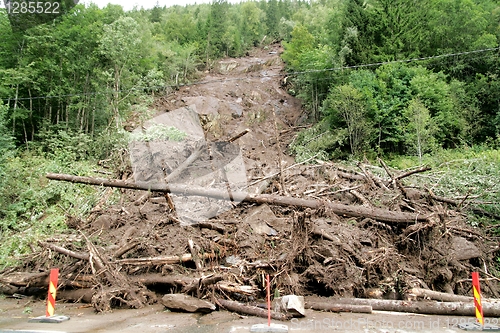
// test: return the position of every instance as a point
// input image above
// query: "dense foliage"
(355, 67)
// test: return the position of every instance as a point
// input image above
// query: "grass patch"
(33, 208)
(468, 172)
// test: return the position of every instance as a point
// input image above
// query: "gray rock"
(290, 304)
(186, 303)
(462, 249)
(259, 217)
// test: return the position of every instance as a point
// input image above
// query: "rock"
(374, 293)
(224, 67)
(186, 303)
(462, 249)
(259, 219)
(203, 105)
(236, 110)
(105, 222)
(290, 304)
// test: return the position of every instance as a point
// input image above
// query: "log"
(76, 295)
(202, 282)
(339, 209)
(25, 279)
(162, 260)
(409, 173)
(125, 248)
(194, 254)
(249, 310)
(333, 307)
(229, 287)
(490, 309)
(62, 250)
(171, 280)
(439, 296)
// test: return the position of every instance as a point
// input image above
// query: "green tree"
(419, 129)
(252, 29)
(120, 45)
(347, 104)
(272, 18)
(217, 26)
(302, 41)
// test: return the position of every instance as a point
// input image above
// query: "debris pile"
(133, 253)
(318, 229)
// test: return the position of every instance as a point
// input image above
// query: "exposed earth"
(137, 245)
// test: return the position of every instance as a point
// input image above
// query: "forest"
(397, 79)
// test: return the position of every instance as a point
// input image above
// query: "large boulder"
(181, 302)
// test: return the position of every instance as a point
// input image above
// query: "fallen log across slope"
(340, 209)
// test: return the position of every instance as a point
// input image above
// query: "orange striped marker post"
(477, 298)
(51, 300)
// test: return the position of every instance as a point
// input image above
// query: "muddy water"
(15, 315)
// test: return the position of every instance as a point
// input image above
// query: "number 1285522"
(32, 7)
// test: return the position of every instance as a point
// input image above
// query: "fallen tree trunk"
(249, 310)
(333, 307)
(490, 309)
(339, 209)
(438, 296)
(162, 260)
(76, 295)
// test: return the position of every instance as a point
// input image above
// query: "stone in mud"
(186, 303)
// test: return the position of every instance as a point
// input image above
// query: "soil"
(121, 256)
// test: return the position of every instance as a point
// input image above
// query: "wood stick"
(62, 250)
(237, 136)
(162, 260)
(456, 203)
(409, 173)
(194, 254)
(277, 173)
(249, 310)
(333, 307)
(389, 173)
(368, 175)
(125, 248)
(339, 209)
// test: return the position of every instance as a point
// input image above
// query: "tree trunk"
(249, 310)
(333, 307)
(490, 309)
(339, 209)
